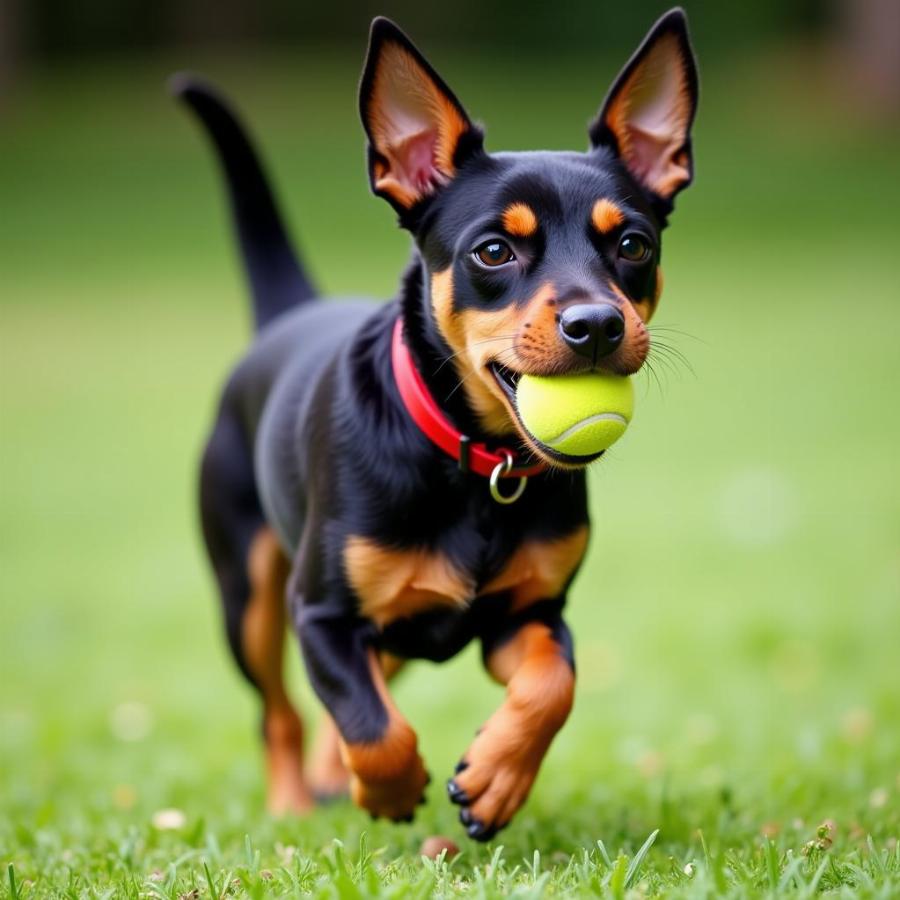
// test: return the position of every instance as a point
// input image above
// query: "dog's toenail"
(479, 831)
(456, 793)
(461, 766)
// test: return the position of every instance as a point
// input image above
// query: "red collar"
(471, 456)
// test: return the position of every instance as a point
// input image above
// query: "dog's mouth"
(507, 380)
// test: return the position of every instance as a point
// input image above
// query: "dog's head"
(544, 262)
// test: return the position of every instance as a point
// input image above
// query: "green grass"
(736, 623)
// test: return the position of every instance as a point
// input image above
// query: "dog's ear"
(418, 132)
(647, 115)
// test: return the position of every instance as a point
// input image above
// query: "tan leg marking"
(387, 776)
(539, 570)
(503, 760)
(326, 773)
(395, 584)
(262, 640)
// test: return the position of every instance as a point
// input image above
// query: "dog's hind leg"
(251, 571)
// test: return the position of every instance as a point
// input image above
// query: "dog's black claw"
(465, 817)
(478, 831)
(456, 793)
(461, 766)
(406, 818)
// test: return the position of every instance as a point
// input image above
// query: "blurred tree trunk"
(870, 39)
(10, 45)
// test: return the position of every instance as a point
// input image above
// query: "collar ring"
(502, 468)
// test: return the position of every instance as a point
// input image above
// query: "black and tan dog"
(358, 474)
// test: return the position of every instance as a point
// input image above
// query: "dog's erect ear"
(418, 132)
(647, 115)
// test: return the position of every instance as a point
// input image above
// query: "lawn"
(737, 722)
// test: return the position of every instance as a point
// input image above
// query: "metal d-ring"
(501, 469)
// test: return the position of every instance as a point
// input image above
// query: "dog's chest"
(392, 584)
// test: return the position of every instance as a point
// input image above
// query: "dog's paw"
(492, 781)
(393, 797)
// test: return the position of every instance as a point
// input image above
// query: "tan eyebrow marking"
(519, 219)
(606, 216)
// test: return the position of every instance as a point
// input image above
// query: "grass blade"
(639, 859)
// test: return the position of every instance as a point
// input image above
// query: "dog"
(367, 476)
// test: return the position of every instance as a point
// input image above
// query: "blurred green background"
(737, 623)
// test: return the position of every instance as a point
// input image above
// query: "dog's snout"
(592, 330)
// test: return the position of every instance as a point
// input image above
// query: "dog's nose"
(592, 330)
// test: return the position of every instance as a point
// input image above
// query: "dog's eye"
(494, 253)
(634, 248)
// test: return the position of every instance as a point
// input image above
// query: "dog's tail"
(277, 280)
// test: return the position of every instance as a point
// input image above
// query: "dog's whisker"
(461, 382)
(671, 329)
(652, 376)
(671, 362)
(667, 345)
(452, 356)
(473, 371)
(664, 350)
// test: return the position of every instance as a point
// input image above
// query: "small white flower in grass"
(689, 870)
(131, 721)
(878, 798)
(286, 852)
(169, 819)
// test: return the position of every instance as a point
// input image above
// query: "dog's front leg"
(379, 747)
(497, 771)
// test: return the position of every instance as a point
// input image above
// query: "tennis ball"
(575, 415)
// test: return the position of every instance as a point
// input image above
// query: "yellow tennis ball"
(575, 415)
